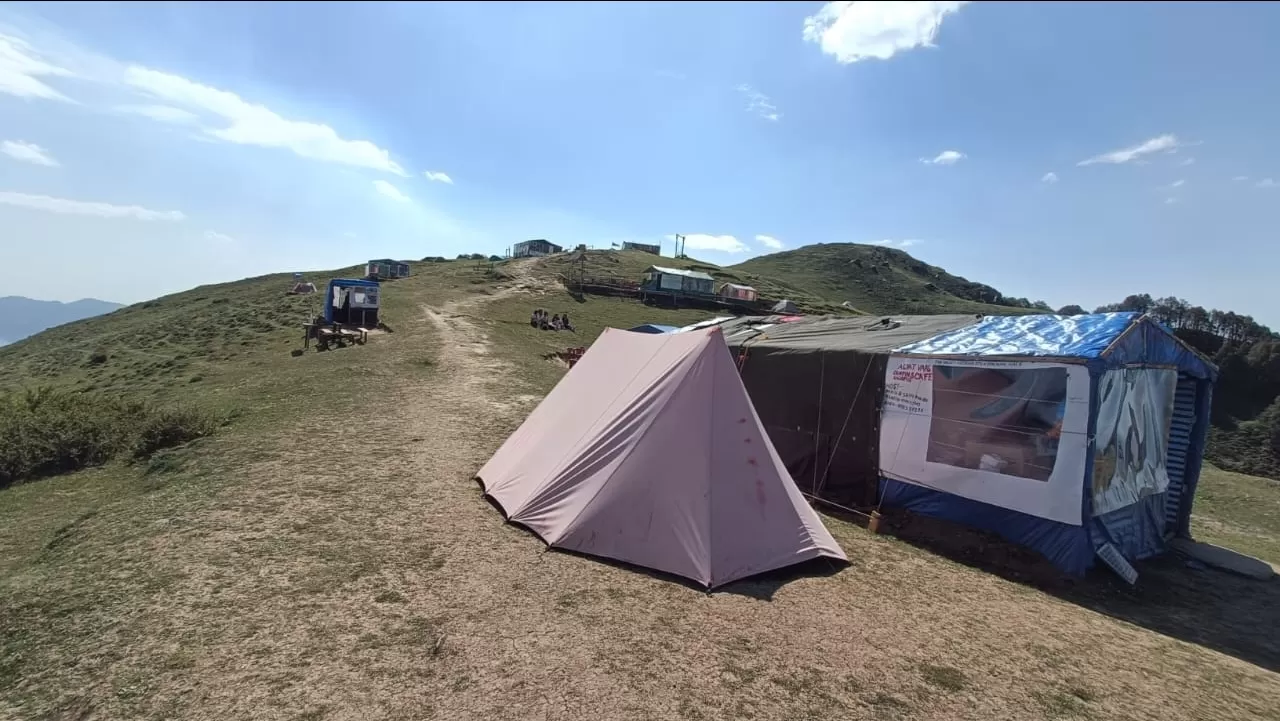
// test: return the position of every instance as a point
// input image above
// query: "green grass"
(1239, 512)
(512, 336)
(873, 279)
(224, 348)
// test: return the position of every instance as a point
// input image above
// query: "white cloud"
(390, 191)
(1170, 201)
(80, 207)
(1049, 177)
(214, 236)
(161, 113)
(1177, 183)
(853, 31)
(946, 157)
(1186, 161)
(1267, 183)
(718, 243)
(1163, 143)
(769, 241)
(759, 104)
(1239, 178)
(251, 124)
(28, 153)
(436, 176)
(906, 243)
(21, 69)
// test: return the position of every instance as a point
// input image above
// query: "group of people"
(542, 321)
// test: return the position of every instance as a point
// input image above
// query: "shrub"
(45, 432)
(170, 427)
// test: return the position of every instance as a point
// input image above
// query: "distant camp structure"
(659, 279)
(654, 328)
(300, 286)
(350, 311)
(642, 247)
(386, 269)
(737, 292)
(535, 248)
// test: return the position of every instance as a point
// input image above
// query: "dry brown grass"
(336, 570)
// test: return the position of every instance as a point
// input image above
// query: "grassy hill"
(874, 279)
(327, 554)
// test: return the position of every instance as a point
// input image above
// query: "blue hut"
(350, 301)
(1077, 436)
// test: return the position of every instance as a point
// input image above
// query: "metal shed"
(386, 269)
(675, 280)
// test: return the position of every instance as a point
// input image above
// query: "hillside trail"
(347, 567)
(369, 586)
(471, 374)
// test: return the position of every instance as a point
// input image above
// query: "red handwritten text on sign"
(913, 372)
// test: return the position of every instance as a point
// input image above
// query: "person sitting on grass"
(555, 322)
(564, 320)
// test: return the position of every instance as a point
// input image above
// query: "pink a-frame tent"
(649, 452)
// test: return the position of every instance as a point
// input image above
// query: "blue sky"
(1074, 153)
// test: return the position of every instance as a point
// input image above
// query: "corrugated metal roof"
(676, 271)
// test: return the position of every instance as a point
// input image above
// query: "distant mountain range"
(21, 317)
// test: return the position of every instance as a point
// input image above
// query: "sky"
(1074, 153)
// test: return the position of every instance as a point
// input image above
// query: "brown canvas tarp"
(649, 452)
(817, 384)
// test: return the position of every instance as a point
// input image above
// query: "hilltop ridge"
(879, 279)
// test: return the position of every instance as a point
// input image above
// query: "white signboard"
(668, 281)
(1012, 434)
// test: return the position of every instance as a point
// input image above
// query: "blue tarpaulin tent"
(1078, 436)
(653, 328)
(1130, 405)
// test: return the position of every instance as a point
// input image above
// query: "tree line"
(1246, 400)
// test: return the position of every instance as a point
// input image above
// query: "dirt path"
(471, 374)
